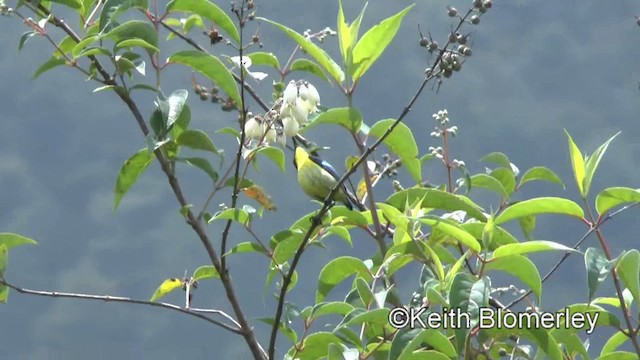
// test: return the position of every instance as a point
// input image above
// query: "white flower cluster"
(290, 112)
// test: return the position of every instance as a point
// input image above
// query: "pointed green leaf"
(238, 215)
(245, 247)
(208, 10)
(577, 162)
(611, 197)
(629, 271)
(206, 272)
(165, 288)
(4, 294)
(134, 29)
(202, 164)
(614, 342)
(400, 142)
(540, 173)
(12, 240)
(264, 58)
(197, 140)
(497, 158)
(543, 205)
(374, 42)
(527, 224)
(436, 199)
(275, 154)
(529, 247)
(137, 43)
(520, 267)
(175, 102)
(593, 161)
(344, 34)
(454, 230)
(598, 268)
(315, 346)
(336, 271)
(211, 67)
(308, 66)
(113, 8)
(4, 252)
(312, 49)
(488, 182)
(48, 65)
(129, 173)
(349, 118)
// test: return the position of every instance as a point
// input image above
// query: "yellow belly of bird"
(317, 183)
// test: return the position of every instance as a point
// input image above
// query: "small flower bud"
(451, 11)
(477, 3)
(204, 96)
(456, 66)
(467, 51)
(475, 19)
(424, 42)
(502, 352)
(487, 3)
(447, 73)
(461, 49)
(482, 9)
(462, 39)
(255, 39)
(453, 38)
(433, 46)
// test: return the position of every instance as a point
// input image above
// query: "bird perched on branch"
(317, 177)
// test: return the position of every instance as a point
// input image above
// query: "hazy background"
(537, 67)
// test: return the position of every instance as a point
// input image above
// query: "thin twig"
(107, 298)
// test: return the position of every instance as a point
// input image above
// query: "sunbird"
(317, 177)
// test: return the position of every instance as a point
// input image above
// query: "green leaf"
(74, 4)
(129, 173)
(4, 253)
(529, 247)
(497, 158)
(134, 29)
(246, 247)
(577, 162)
(615, 341)
(175, 104)
(488, 182)
(287, 246)
(137, 43)
(328, 308)
(436, 199)
(24, 37)
(520, 267)
(593, 161)
(543, 205)
(469, 295)
(48, 65)
(628, 268)
(540, 173)
(312, 49)
(4, 294)
(165, 288)
(454, 230)
(238, 215)
(527, 224)
(374, 42)
(611, 197)
(407, 340)
(619, 355)
(336, 271)
(315, 346)
(197, 140)
(275, 154)
(264, 58)
(400, 142)
(202, 164)
(206, 272)
(507, 178)
(308, 66)
(211, 67)
(182, 123)
(11, 240)
(208, 10)
(344, 36)
(366, 295)
(598, 268)
(572, 343)
(349, 118)
(113, 8)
